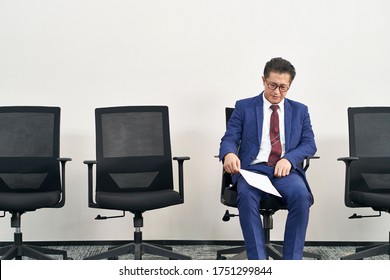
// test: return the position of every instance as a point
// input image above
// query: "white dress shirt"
(265, 144)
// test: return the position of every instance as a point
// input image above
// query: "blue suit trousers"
(298, 199)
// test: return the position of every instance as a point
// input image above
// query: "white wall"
(197, 57)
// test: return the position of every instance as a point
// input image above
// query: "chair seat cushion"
(273, 202)
(138, 201)
(229, 198)
(28, 201)
(374, 200)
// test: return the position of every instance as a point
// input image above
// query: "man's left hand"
(282, 168)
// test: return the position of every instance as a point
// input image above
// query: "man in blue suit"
(247, 145)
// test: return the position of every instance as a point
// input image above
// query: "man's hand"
(282, 168)
(231, 163)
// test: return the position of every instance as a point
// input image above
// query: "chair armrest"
(181, 158)
(347, 160)
(307, 161)
(63, 161)
(305, 164)
(180, 161)
(90, 164)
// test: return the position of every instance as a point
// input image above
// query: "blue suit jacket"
(244, 131)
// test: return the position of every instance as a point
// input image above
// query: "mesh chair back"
(133, 149)
(228, 114)
(29, 148)
(369, 131)
(369, 134)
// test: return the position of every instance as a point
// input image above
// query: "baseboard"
(184, 243)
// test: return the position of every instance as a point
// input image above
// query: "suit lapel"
(259, 104)
(287, 123)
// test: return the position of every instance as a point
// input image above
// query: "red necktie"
(276, 146)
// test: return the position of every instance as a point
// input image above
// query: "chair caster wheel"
(113, 258)
(221, 258)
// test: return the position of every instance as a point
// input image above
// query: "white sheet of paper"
(259, 181)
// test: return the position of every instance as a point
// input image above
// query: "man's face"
(276, 86)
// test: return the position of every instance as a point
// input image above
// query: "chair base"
(138, 249)
(19, 251)
(369, 251)
(274, 251)
(239, 253)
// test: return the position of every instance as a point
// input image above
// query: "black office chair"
(134, 171)
(268, 208)
(30, 173)
(367, 178)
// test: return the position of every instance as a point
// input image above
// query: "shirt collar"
(268, 104)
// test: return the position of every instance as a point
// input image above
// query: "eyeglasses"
(273, 86)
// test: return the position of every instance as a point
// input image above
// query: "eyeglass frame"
(274, 86)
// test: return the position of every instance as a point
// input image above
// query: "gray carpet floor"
(209, 252)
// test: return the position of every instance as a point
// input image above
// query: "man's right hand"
(231, 163)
